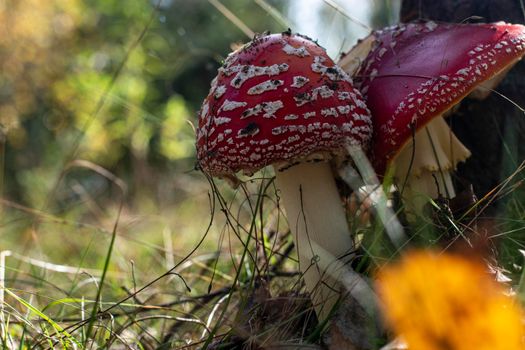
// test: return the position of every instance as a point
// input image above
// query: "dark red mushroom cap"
(417, 71)
(278, 100)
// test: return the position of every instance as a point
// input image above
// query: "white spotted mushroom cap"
(418, 71)
(278, 100)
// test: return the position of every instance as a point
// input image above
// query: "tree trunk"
(493, 129)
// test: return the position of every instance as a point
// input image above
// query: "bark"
(493, 129)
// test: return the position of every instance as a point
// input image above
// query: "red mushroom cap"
(418, 71)
(279, 99)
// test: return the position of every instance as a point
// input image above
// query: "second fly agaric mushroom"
(280, 100)
(412, 75)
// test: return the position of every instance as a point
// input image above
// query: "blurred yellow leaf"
(446, 302)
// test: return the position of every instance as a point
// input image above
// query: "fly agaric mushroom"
(280, 100)
(412, 75)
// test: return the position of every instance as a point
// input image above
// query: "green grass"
(133, 282)
(190, 262)
(169, 279)
(117, 287)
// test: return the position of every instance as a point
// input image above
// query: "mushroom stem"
(423, 166)
(316, 219)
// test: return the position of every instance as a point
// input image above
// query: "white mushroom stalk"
(316, 219)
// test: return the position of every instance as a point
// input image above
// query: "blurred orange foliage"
(446, 302)
(33, 35)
